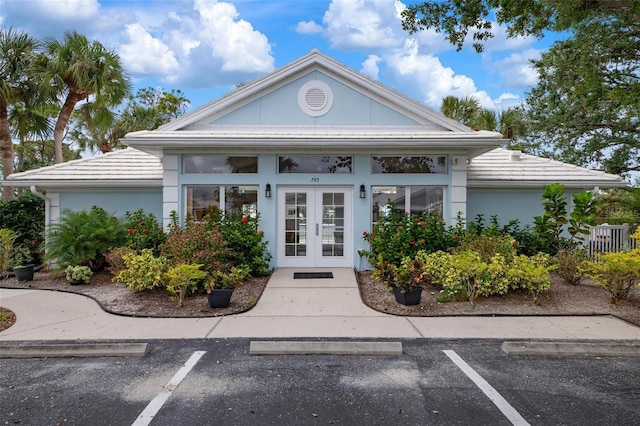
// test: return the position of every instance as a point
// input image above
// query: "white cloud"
(308, 27)
(235, 42)
(353, 24)
(145, 55)
(429, 78)
(516, 69)
(203, 46)
(370, 66)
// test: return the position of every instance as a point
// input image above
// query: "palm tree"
(484, 119)
(467, 110)
(78, 70)
(460, 109)
(17, 51)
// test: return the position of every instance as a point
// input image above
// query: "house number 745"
(315, 179)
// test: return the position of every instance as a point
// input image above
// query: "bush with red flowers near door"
(246, 246)
(143, 231)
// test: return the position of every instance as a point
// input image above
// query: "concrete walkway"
(288, 308)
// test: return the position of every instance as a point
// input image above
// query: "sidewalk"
(288, 308)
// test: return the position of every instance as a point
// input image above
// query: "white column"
(458, 188)
(170, 190)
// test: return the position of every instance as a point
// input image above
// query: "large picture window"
(403, 165)
(412, 199)
(317, 164)
(202, 199)
(219, 164)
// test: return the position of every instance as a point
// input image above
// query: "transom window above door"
(316, 164)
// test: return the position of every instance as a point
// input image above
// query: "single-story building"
(317, 149)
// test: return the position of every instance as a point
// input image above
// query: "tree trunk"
(61, 124)
(6, 148)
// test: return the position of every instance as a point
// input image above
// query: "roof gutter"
(47, 204)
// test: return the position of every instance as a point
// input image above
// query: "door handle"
(317, 229)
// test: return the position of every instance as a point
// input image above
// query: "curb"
(572, 349)
(324, 348)
(75, 350)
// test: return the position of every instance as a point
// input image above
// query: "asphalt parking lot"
(433, 382)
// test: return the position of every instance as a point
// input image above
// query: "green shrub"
(183, 279)
(8, 239)
(83, 238)
(570, 264)
(143, 231)
(551, 226)
(78, 273)
(143, 271)
(412, 273)
(115, 258)
(232, 278)
(616, 272)
(245, 243)
(25, 216)
(488, 245)
(197, 243)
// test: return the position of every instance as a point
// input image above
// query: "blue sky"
(204, 47)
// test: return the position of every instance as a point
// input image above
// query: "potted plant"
(78, 274)
(220, 287)
(21, 261)
(409, 279)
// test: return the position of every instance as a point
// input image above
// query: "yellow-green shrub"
(466, 274)
(142, 271)
(616, 272)
(183, 279)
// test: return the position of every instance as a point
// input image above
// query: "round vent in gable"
(315, 98)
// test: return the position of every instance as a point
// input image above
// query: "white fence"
(610, 238)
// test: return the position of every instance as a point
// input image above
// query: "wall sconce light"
(267, 191)
(363, 192)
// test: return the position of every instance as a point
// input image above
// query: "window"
(201, 199)
(427, 164)
(411, 199)
(318, 164)
(218, 164)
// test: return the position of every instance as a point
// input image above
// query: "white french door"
(314, 226)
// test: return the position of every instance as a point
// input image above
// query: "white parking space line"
(156, 403)
(512, 415)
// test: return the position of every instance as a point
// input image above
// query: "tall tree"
(78, 70)
(585, 108)
(17, 51)
(457, 18)
(100, 128)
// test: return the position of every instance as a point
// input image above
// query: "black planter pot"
(220, 297)
(408, 298)
(76, 282)
(24, 274)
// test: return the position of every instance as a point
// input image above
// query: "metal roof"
(125, 168)
(506, 168)
(498, 168)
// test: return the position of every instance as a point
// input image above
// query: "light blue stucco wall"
(115, 202)
(520, 204)
(280, 107)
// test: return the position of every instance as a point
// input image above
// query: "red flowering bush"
(196, 243)
(143, 231)
(400, 235)
(246, 246)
